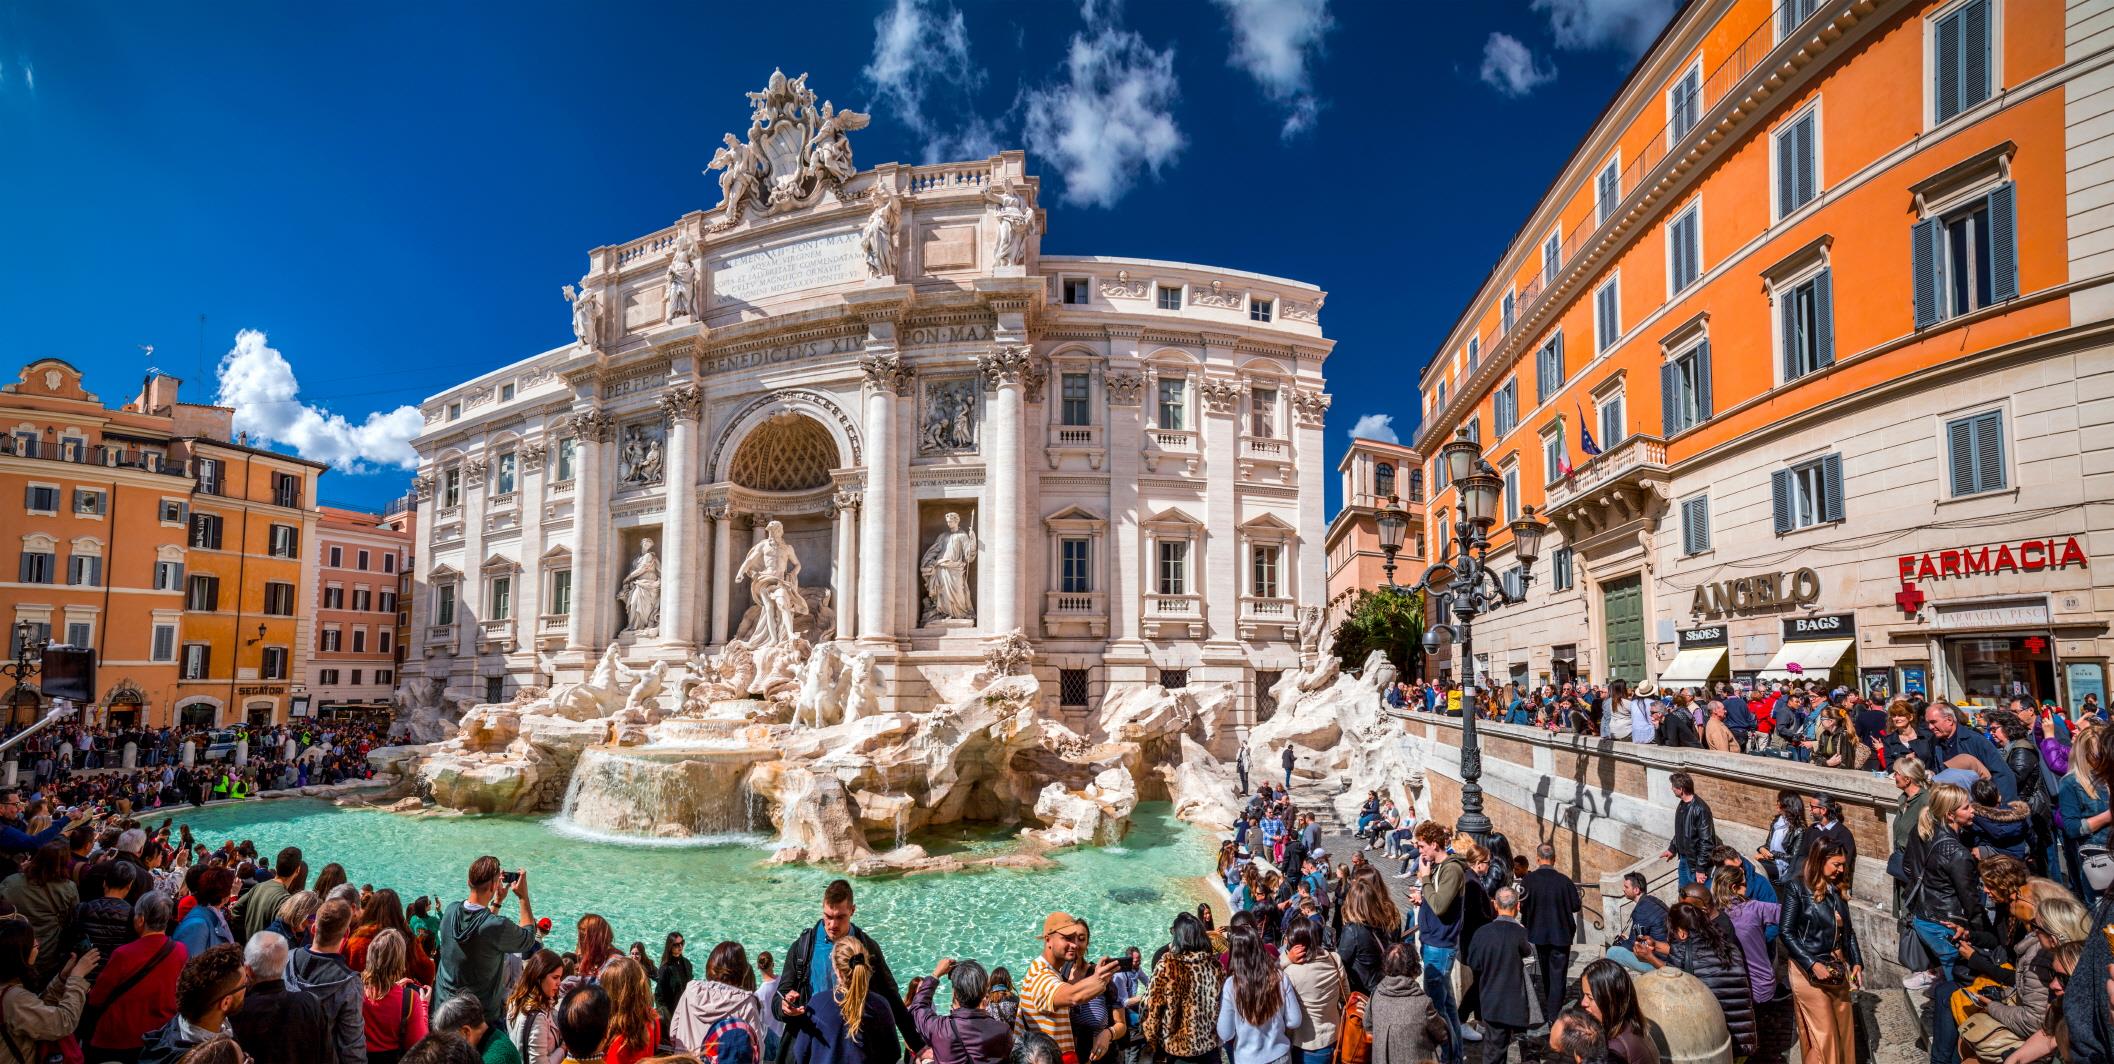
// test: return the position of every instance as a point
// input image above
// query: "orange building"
(1830, 286)
(360, 565)
(1374, 475)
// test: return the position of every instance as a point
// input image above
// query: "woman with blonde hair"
(392, 1004)
(1943, 872)
(852, 1024)
(2080, 798)
(634, 1024)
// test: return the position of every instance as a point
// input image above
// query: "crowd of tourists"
(74, 765)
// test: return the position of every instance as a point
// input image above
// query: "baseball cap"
(1059, 923)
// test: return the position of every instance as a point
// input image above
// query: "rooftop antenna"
(147, 351)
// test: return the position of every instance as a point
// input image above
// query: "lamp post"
(1394, 525)
(21, 669)
(1469, 589)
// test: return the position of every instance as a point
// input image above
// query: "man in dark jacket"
(808, 975)
(276, 1023)
(1551, 903)
(1671, 727)
(1498, 957)
(475, 940)
(209, 988)
(1647, 922)
(321, 970)
(1288, 760)
(1695, 832)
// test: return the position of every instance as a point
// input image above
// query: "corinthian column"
(682, 403)
(1006, 375)
(885, 376)
(591, 428)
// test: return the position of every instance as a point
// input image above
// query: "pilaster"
(885, 378)
(592, 428)
(1125, 385)
(683, 402)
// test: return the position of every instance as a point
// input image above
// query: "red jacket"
(390, 1026)
(148, 1005)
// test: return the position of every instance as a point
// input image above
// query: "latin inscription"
(831, 259)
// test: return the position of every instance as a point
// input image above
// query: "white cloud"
(1584, 25)
(29, 76)
(921, 50)
(1375, 427)
(1510, 67)
(1273, 41)
(1110, 118)
(257, 381)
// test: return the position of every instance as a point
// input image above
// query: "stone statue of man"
(774, 570)
(945, 568)
(641, 591)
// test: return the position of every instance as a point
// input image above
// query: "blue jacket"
(201, 930)
(2076, 807)
(1737, 716)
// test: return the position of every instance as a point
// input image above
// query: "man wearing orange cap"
(1046, 1000)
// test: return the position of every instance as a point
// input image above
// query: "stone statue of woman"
(945, 568)
(641, 592)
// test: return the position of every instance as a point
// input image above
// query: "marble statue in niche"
(950, 417)
(640, 459)
(1015, 220)
(640, 593)
(773, 568)
(945, 568)
(685, 268)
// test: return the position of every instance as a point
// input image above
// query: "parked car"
(219, 746)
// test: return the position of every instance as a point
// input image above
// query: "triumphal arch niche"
(859, 412)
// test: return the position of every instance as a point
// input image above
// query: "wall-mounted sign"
(2022, 615)
(2085, 678)
(298, 707)
(1912, 682)
(1698, 638)
(2020, 556)
(1823, 626)
(1750, 594)
(267, 690)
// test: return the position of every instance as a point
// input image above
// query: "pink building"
(1373, 472)
(361, 562)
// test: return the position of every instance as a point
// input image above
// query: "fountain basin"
(694, 793)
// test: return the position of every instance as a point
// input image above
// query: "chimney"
(158, 395)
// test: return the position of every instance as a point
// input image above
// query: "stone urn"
(1685, 1020)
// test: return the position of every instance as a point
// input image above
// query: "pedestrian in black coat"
(1497, 954)
(1550, 904)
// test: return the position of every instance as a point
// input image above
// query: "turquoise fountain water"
(1128, 893)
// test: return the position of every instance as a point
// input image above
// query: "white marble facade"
(958, 435)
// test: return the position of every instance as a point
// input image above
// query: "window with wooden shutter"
(1807, 315)
(1684, 253)
(1797, 164)
(1607, 322)
(1831, 488)
(1549, 369)
(1695, 525)
(1780, 500)
(1607, 191)
(2003, 243)
(1963, 65)
(1975, 453)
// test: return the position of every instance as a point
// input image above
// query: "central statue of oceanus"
(773, 571)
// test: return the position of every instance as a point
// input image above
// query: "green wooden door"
(1622, 604)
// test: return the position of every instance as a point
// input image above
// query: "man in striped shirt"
(1046, 1000)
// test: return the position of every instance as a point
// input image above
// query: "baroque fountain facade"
(848, 512)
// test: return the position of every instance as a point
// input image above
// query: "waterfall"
(692, 797)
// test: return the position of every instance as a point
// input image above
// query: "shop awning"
(1692, 666)
(1814, 657)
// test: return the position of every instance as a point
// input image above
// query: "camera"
(509, 878)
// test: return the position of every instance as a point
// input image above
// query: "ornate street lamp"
(1467, 589)
(1394, 525)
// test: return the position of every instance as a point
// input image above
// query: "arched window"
(1384, 479)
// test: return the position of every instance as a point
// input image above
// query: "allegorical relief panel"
(641, 451)
(951, 416)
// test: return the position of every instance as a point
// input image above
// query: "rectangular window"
(279, 599)
(337, 557)
(1974, 449)
(502, 597)
(1684, 388)
(1261, 309)
(1075, 410)
(1262, 413)
(175, 511)
(503, 480)
(1511, 494)
(385, 602)
(568, 452)
(1173, 406)
(210, 478)
(1793, 13)
(1504, 407)
(1549, 369)
(1551, 258)
(1174, 567)
(1613, 427)
(168, 576)
(381, 640)
(1174, 679)
(87, 502)
(80, 634)
(362, 599)
(164, 648)
(1607, 191)
(327, 677)
(454, 411)
(39, 567)
(1807, 313)
(562, 592)
(198, 661)
(286, 489)
(1797, 165)
(495, 688)
(389, 563)
(1695, 525)
(286, 541)
(332, 641)
(444, 604)
(1265, 568)
(1555, 455)
(1563, 570)
(384, 677)
(506, 393)
(1807, 494)
(1475, 353)
(41, 499)
(360, 561)
(1078, 291)
(1506, 308)
(205, 531)
(203, 593)
(1170, 297)
(1607, 315)
(1684, 251)
(359, 640)
(451, 487)
(333, 598)
(1684, 103)
(273, 666)
(1962, 62)
(356, 677)
(1075, 575)
(1071, 687)
(1967, 258)
(84, 570)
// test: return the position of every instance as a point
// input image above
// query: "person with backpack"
(967, 1033)
(320, 968)
(135, 993)
(718, 1017)
(1318, 979)
(392, 1006)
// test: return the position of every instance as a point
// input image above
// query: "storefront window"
(1989, 670)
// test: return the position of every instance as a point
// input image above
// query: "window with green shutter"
(1974, 453)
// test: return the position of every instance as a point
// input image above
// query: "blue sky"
(391, 196)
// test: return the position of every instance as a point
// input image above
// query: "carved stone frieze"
(684, 401)
(1123, 388)
(1218, 295)
(1296, 310)
(1125, 287)
(473, 471)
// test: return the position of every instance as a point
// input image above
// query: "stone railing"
(950, 177)
(1079, 603)
(1641, 455)
(646, 247)
(1076, 436)
(554, 622)
(1267, 609)
(1178, 441)
(1264, 447)
(1174, 606)
(440, 635)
